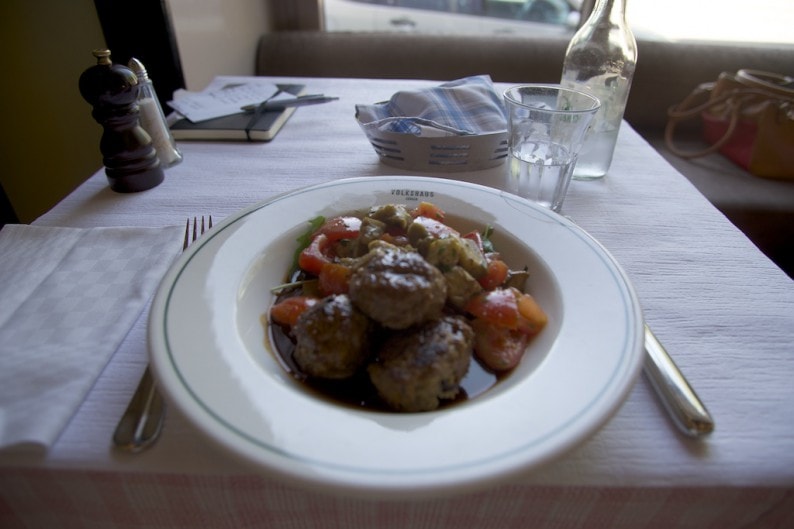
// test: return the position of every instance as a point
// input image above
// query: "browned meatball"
(332, 338)
(415, 370)
(397, 288)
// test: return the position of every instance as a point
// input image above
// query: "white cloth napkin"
(69, 296)
(463, 107)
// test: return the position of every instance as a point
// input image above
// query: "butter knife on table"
(679, 399)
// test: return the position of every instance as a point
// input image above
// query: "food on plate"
(416, 370)
(396, 309)
(397, 288)
(332, 338)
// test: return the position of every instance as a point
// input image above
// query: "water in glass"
(540, 171)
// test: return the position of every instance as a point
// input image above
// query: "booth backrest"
(666, 71)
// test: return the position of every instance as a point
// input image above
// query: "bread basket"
(444, 153)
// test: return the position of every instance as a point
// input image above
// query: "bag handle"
(780, 85)
(685, 110)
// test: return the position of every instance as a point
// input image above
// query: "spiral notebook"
(235, 127)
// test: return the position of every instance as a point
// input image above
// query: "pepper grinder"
(153, 119)
(129, 157)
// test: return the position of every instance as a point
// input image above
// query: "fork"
(142, 422)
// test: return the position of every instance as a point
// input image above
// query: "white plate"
(209, 351)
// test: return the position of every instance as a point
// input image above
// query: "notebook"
(234, 127)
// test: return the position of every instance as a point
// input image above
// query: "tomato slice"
(334, 279)
(287, 311)
(498, 348)
(510, 309)
(429, 210)
(532, 318)
(314, 256)
(340, 228)
(498, 307)
(495, 275)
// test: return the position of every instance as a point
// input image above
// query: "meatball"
(415, 370)
(397, 288)
(332, 338)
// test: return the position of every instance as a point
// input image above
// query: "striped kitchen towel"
(463, 107)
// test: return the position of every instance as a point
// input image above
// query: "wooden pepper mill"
(130, 160)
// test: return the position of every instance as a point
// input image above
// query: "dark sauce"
(358, 391)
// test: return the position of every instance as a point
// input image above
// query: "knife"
(679, 399)
(281, 104)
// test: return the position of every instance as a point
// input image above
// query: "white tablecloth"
(723, 310)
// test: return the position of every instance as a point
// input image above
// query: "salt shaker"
(153, 119)
(130, 160)
(600, 60)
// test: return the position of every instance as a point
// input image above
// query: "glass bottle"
(600, 60)
(153, 119)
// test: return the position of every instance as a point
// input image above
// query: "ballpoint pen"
(280, 104)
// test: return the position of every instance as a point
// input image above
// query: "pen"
(280, 104)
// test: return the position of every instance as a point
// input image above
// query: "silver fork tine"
(202, 225)
(187, 236)
(142, 422)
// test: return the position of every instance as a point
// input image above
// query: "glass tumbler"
(546, 128)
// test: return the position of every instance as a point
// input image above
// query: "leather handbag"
(748, 116)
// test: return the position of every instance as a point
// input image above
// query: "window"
(769, 21)
(452, 16)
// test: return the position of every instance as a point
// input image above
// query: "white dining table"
(723, 310)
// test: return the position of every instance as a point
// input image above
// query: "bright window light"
(756, 21)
